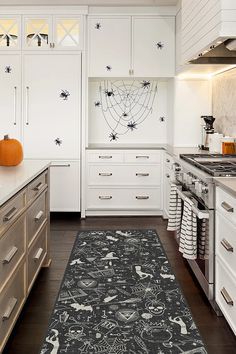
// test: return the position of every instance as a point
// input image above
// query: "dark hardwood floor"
(31, 326)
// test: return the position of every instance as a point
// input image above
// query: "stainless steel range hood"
(225, 53)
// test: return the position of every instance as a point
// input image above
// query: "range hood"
(225, 53)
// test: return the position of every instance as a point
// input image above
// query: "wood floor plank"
(31, 326)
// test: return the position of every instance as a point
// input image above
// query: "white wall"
(192, 99)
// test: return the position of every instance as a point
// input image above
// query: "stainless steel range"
(194, 175)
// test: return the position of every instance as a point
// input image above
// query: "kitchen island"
(24, 236)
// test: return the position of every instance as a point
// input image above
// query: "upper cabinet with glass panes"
(10, 32)
(52, 32)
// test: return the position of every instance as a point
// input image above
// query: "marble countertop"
(126, 147)
(13, 179)
(227, 183)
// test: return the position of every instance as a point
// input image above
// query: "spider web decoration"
(126, 104)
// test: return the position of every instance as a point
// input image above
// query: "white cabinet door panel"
(10, 95)
(65, 186)
(154, 47)
(109, 46)
(51, 105)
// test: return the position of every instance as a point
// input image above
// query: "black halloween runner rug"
(119, 296)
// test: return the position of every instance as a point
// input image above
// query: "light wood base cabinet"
(24, 248)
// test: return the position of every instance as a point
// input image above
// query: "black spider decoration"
(58, 141)
(160, 45)
(125, 114)
(97, 104)
(108, 67)
(162, 119)
(109, 93)
(132, 125)
(145, 84)
(8, 69)
(98, 26)
(113, 137)
(64, 94)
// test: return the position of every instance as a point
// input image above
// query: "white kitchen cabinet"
(65, 186)
(10, 95)
(154, 46)
(225, 248)
(124, 182)
(51, 105)
(10, 35)
(109, 46)
(131, 46)
(168, 176)
(43, 32)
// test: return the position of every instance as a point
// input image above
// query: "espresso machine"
(206, 129)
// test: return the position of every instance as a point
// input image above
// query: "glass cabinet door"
(67, 32)
(37, 32)
(9, 33)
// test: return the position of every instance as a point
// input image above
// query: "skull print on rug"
(119, 296)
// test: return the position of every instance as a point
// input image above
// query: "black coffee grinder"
(207, 129)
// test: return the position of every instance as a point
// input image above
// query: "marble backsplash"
(224, 102)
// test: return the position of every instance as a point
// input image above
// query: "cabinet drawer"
(11, 210)
(124, 175)
(36, 216)
(226, 204)
(124, 199)
(168, 161)
(11, 301)
(12, 249)
(105, 157)
(226, 241)
(226, 293)
(36, 255)
(143, 156)
(36, 187)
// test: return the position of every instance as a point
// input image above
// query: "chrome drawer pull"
(167, 160)
(227, 245)
(60, 165)
(105, 174)
(226, 297)
(11, 305)
(38, 216)
(104, 197)
(142, 157)
(142, 197)
(142, 174)
(38, 254)
(10, 255)
(167, 175)
(10, 214)
(227, 207)
(38, 187)
(105, 157)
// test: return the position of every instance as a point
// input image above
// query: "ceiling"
(91, 2)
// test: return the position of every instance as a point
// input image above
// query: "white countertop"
(13, 179)
(227, 183)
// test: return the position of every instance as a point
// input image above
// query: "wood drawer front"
(124, 175)
(11, 301)
(105, 157)
(36, 216)
(37, 186)
(143, 157)
(12, 249)
(124, 199)
(36, 256)
(226, 241)
(224, 280)
(226, 204)
(11, 210)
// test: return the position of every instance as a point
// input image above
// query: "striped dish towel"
(175, 210)
(188, 234)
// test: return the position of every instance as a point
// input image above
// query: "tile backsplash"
(224, 102)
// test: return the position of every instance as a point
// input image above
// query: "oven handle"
(201, 214)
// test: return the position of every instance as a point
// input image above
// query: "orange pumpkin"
(11, 152)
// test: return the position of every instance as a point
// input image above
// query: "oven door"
(203, 266)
